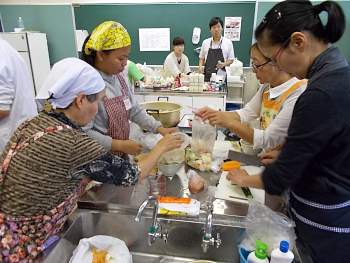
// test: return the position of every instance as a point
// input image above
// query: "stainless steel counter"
(109, 196)
(126, 200)
(166, 92)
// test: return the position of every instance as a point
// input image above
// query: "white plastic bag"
(114, 246)
(147, 139)
(267, 226)
(236, 68)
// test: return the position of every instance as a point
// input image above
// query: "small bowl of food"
(248, 148)
(169, 169)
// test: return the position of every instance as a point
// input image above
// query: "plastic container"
(20, 22)
(259, 255)
(243, 254)
(232, 107)
(282, 254)
(157, 185)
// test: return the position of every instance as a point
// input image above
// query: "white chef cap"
(66, 80)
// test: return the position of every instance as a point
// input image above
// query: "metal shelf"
(234, 100)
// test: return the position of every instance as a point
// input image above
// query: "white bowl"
(248, 149)
(169, 169)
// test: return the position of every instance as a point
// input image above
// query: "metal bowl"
(168, 113)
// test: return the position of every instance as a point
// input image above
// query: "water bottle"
(20, 22)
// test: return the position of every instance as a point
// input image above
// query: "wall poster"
(154, 39)
(232, 28)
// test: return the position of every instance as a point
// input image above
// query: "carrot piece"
(231, 165)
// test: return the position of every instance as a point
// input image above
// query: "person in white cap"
(47, 157)
(16, 93)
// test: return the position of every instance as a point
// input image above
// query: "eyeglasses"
(258, 66)
(273, 61)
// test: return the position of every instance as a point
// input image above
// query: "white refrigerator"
(33, 49)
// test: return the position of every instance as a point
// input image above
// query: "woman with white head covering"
(43, 164)
(107, 50)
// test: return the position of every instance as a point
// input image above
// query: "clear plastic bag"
(202, 144)
(196, 182)
(177, 155)
(203, 136)
(267, 226)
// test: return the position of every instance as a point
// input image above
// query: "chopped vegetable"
(230, 165)
(199, 160)
(247, 192)
(100, 256)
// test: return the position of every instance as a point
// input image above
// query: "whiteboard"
(154, 39)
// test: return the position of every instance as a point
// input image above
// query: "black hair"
(178, 41)
(214, 21)
(291, 16)
(90, 59)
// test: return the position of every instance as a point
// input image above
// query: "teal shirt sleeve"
(134, 72)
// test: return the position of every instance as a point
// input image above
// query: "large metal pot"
(168, 113)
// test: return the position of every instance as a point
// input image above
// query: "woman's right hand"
(169, 142)
(131, 147)
(269, 158)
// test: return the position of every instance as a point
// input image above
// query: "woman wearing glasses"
(315, 159)
(273, 104)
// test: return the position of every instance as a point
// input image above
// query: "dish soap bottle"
(282, 254)
(259, 255)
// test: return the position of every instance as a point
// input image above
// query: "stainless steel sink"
(184, 242)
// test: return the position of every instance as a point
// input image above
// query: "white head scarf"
(66, 80)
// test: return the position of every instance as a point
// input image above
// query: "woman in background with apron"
(315, 159)
(217, 52)
(273, 104)
(107, 49)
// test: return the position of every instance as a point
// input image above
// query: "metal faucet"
(207, 239)
(155, 230)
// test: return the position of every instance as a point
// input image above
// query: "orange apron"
(270, 108)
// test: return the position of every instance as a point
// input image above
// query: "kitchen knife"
(244, 158)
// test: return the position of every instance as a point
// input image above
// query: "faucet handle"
(218, 240)
(165, 236)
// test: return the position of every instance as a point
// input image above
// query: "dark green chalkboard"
(180, 18)
(54, 20)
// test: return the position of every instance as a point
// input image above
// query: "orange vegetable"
(173, 199)
(98, 257)
(227, 166)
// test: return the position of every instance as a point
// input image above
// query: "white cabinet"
(33, 49)
(200, 102)
(182, 100)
